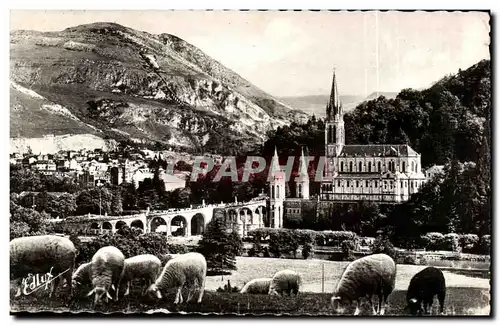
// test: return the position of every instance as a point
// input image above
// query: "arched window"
(350, 166)
(338, 184)
(360, 166)
(379, 166)
(366, 183)
(277, 192)
(404, 166)
(412, 166)
(370, 166)
(272, 192)
(300, 189)
(357, 183)
(416, 167)
(347, 183)
(376, 183)
(334, 134)
(341, 166)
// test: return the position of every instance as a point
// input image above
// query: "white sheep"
(285, 281)
(145, 266)
(185, 270)
(82, 275)
(41, 255)
(106, 269)
(365, 277)
(257, 286)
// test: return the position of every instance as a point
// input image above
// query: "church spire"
(275, 163)
(334, 106)
(303, 174)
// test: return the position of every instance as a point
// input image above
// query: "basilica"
(382, 173)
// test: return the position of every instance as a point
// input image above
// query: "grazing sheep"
(145, 267)
(423, 287)
(41, 255)
(257, 286)
(370, 275)
(82, 275)
(185, 270)
(106, 269)
(285, 281)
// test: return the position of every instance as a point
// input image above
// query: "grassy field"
(465, 295)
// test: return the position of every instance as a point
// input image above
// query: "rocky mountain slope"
(107, 81)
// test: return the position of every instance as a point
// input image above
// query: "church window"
(379, 166)
(347, 183)
(357, 183)
(416, 167)
(369, 166)
(341, 166)
(404, 166)
(338, 183)
(300, 189)
(411, 184)
(366, 183)
(376, 183)
(385, 184)
(334, 134)
(401, 184)
(360, 166)
(272, 191)
(412, 166)
(350, 167)
(277, 192)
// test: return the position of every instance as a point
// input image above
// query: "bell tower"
(334, 128)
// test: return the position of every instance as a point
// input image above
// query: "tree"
(116, 203)
(26, 221)
(219, 246)
(94, 200)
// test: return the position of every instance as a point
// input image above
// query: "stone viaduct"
(240, 217)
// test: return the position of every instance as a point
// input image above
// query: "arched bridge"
(240, 217)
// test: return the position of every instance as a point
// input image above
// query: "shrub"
(469, 243)
(348, 247)
(432, 241)
(485, 245)
(383, 246)
(307, 250)
(228, 288)
(406, 259)
(451, 242)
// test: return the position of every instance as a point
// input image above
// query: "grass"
(465, 295)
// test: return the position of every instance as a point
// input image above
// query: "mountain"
(316, 104)
(386, 94)
(100, 83)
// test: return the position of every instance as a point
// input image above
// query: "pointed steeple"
(334, 106)
(303, 174)
(275, 163)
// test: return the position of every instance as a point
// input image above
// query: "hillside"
(109, 81)
(316, 104)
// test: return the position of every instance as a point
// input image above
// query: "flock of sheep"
(109, 273)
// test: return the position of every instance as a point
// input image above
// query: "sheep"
(145, 267)
(423, 287)
(106, 271)
(285, 281)
(185, 270)
(82, 275)
(41, 255)
(257, 286)
(369, 275)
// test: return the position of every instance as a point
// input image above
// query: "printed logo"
(34, 282)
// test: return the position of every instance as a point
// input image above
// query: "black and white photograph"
(250, 162)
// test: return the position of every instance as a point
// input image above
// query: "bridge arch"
(94, 228)
(246, 215)
(119, 224)
(198, 224)
(107, 226)
(178, 225)
(137, 224)
(158, 224)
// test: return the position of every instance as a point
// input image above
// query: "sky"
(294, 53)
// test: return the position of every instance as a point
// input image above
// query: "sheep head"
(99, 292)
(414, 306)
(338, 302)
(153, 290)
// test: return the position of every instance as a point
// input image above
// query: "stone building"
(373, 172)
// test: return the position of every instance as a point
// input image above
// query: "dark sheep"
(423, 287)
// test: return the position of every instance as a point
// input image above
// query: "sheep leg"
(190, 294)
(202, 289)
(68, 279)
(356, 312)
(178, 296)
(127, 292)
(54, 285)
(441, 302)
(19, 284)
(374, 311)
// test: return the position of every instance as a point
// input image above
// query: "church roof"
(377, 150)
